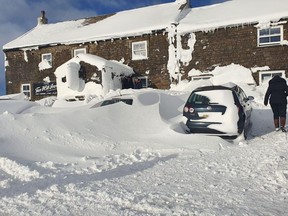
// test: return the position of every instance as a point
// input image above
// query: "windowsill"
(269, 45)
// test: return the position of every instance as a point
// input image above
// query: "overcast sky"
(19, 16)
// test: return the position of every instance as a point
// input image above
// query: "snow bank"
(220, 75)
(136, 160)
(18, 171)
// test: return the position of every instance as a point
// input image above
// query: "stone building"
(162, 43)
(238, 32)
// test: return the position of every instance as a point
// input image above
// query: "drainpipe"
(177, 54)
(183, 13)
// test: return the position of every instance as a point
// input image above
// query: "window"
(25, 88)
(143, 81)
(198, 99)
(139, 50)
(240, 93)
(195, 78)
(47, 57)
(79, 51)
(270, 36)
(265, 76)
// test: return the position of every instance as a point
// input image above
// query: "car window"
(108, 102)
(241, 94)
(210, 97)
(116, 100)
(198, 99)
(127, 101)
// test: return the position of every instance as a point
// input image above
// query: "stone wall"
(236, 45)
(220, 47)
(155, 67)
(21, 71)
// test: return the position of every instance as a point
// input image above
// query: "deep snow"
(70, 159)
(66, 158)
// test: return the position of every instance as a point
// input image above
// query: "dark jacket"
(277, 91)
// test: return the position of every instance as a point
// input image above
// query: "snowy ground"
(136, 160)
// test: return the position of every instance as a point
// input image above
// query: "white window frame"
(139, 52)
(269, 36)
(270, 75)
(47, 57)
(196, 78)
(27, 92)
(79, 51)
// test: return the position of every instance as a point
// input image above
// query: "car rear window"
(223, 97)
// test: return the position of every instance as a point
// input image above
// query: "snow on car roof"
(227, 86)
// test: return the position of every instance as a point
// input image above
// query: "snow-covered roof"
(147, 19)
(99, 62)
(233, 13)
(126, 23)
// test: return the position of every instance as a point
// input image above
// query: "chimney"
(42, 20)
(189, 3)
(185, 4)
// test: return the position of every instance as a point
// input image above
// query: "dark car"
(128, 101)
(222, 110)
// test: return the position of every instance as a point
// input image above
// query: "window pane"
(275, 39)
(264, 40)
(26, 88)
(137, 46)
(264, 32)
(139, 50)
(47, 57)
(279, 74)
(275, 31)
(266, 76)
(79, 51)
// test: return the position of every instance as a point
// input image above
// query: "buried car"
(222, 110)
(110, 101)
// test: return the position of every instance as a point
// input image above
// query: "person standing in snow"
(277, 92)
